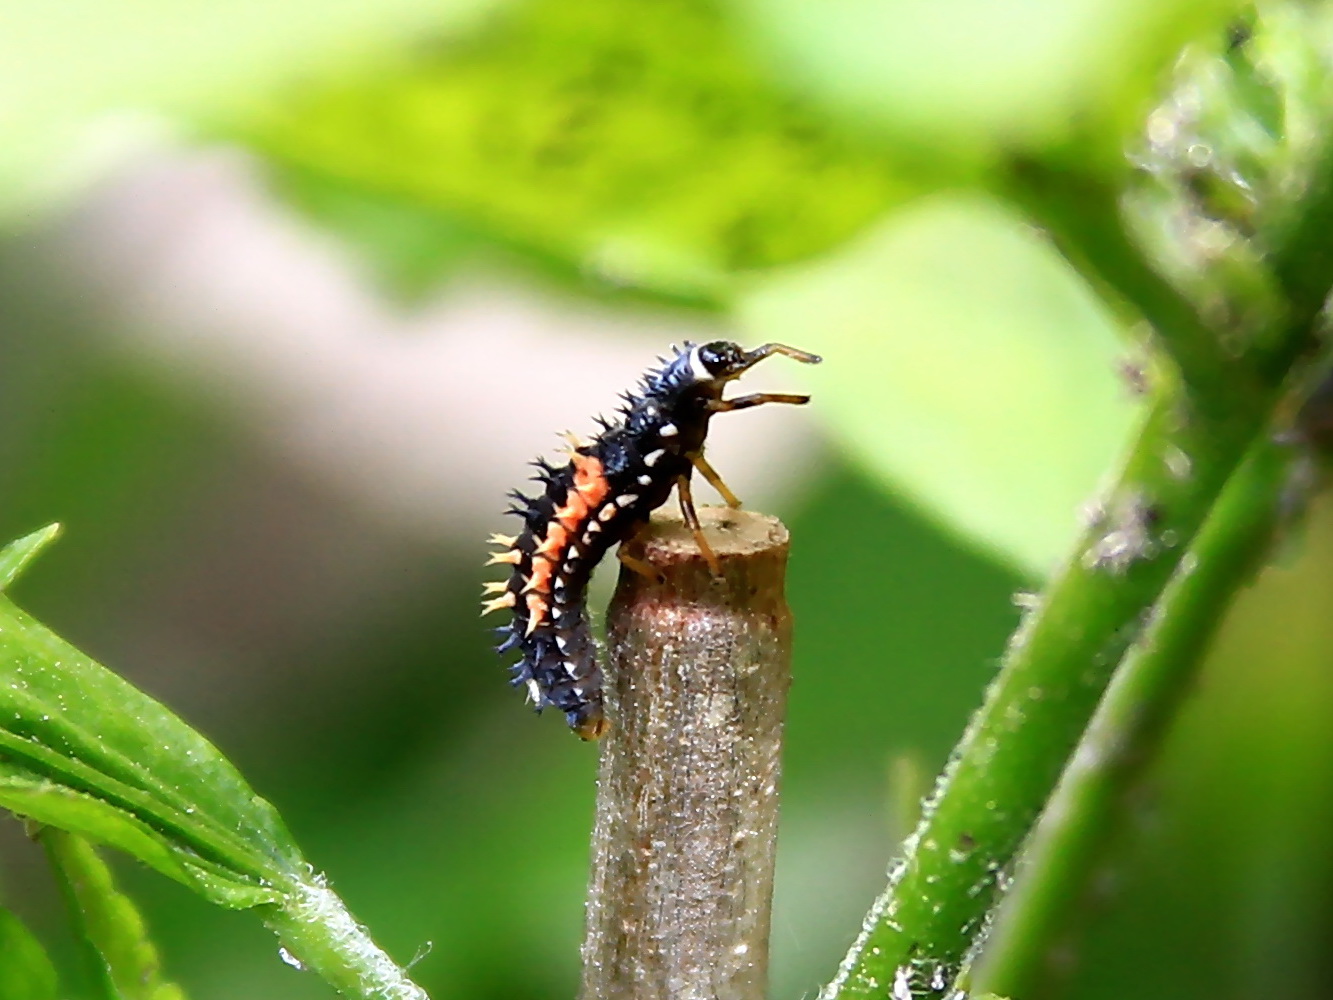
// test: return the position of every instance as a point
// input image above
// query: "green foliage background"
(817, 172)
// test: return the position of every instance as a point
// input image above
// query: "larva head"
(721, 361)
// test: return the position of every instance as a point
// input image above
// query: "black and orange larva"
(601, 496)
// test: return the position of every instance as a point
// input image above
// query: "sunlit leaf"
(966, 366)
(975, 71)
(638, 143)
(75, 78)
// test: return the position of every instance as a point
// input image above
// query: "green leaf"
(86, 751)
(676, 160)
(975, 72)
(108, 919)
(83, 751)
(25, 971)
(15, 556)
(38, 798)
(74, 82)
(966, 367)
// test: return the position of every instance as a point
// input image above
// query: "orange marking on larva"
(537, 608)
(541, 575)
(573, 511)
(589, 480)
(555, 539)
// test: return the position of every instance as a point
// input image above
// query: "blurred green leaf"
(25, 971)
(75, 78)
(410, 250)
(966, 366)
(974, 72)
(108, 920)
(636, 143)
(14, 558)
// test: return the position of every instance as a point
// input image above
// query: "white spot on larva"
(698, 370)
(626, 499)
(562, 642)
(668, 430)
(534, 691)
(651, 458)
(645, 480)
(607, 512)
(593, 528)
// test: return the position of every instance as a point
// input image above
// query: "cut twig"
(687, 800)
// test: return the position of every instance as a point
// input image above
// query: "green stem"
(956, 863)
(1088, 809)
(941, 895)
(123, 955)
(319, 934)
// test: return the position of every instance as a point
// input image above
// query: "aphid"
(600, 497)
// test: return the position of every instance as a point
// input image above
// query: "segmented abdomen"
(566, 532)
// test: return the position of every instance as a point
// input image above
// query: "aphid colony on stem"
(600, 497)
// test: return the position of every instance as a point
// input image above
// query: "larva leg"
(714, 480)
(638, 566)
(692, 520)
(756, 399)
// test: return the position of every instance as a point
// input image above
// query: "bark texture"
(687, 802)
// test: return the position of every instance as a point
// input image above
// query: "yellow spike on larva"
(505, 601)
(507, 541)
(512, 556)
(529, 584)
(495, 587)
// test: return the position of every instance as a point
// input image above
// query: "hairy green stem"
(955, 867)
(1082, 214)
(957, 863)
(1142, 701)
(318, 933)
